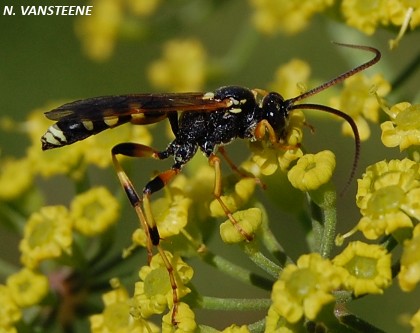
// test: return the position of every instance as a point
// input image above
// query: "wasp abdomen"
(66, 132)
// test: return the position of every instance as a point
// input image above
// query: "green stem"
(323, 203)
(234, 304)
(409, 70)
(270, 241)
(257, 327)
(236, 271)
(261, 260)
(355, 323)
(13, 217)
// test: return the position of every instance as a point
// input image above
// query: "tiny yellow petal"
(248, 220)
(368, 267)
(27, 287)
(312, 171)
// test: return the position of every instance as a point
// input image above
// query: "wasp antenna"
(345, 75)
(353, 126)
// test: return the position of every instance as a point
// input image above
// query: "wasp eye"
(275, 111)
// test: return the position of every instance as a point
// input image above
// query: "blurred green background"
(42, 61)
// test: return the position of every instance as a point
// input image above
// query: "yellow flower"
(269, 158)
(367, 267)
(388, 195)
(16, 176)
(404, 127)
(409, 274)
(143, 7)
(285, 16)
(248, 220)
(94, 211)
(184, 318)
(357, 101)
(53, 162)
(9, 310)
(154, 292)
(397, 10)
(47, 234)
(368, 15)
(275, 323)
(171, 212)
(182, 68)
(244, 189)
(289, 77)
(99, 31)
(98, 147)
(364, 15)
(27, 287)
(117, 317)
(312, 171)
(303, 289)
(415, 322)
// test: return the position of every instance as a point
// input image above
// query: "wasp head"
(275, 110)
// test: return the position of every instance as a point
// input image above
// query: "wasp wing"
(80, 119)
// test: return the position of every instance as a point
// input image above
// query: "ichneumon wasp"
(205, 121)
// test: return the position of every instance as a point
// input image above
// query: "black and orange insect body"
(199, 121)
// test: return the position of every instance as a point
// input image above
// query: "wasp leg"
(214, 161)
(238, 171)
(134, 150)
(146, 216)
(264, 127)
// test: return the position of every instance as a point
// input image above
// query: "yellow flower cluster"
(290, 17)
(94, 211)
(10, 313)
(312, 171)
(152, 295)
(368, 15)
(99, 31)
(116, 316)
(403, 129)
(23, 289)
(270, 157)
(16, 177)
(27, 287)
(388, 196)
(182, 67)
(243, 191)
(48, 234)
(415, 322)
(409, 275)
(290, 78)
(154, 292)
(286, 16)
(248, 220)
(367, 268)
(302, 290)
(357, 101)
